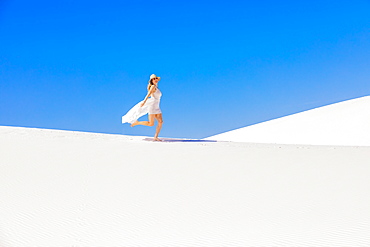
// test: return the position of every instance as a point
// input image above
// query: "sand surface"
(74, 189)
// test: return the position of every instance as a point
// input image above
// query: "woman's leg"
(159, 118)
(146, 123)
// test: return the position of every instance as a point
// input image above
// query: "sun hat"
(154, 76)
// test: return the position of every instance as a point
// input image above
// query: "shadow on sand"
(179, 140)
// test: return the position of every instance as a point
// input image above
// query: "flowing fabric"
(151, 106)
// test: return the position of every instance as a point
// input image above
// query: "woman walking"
(150, 105)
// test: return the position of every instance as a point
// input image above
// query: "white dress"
(151, 107)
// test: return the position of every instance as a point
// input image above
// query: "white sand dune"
(74, 189)
(346, 123)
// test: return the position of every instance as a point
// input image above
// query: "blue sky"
(81, 65)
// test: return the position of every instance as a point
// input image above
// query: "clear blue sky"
(81, 65)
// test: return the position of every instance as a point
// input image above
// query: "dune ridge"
(346, 123)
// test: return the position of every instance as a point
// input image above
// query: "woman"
(149, 105)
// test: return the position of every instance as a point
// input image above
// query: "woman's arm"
(151, 90)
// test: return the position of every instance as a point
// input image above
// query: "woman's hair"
(150, 82)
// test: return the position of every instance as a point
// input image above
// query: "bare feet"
(134, 124)
(156, 139)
